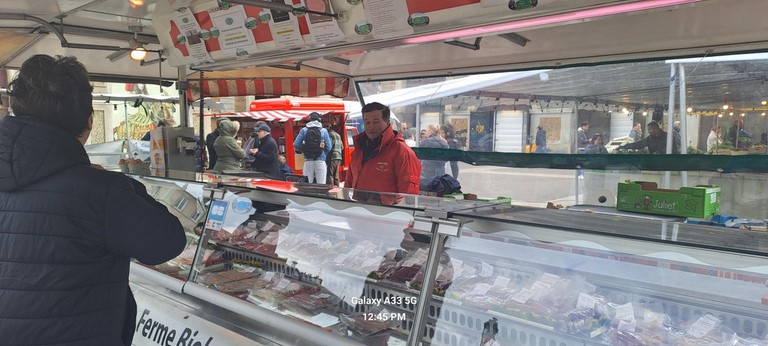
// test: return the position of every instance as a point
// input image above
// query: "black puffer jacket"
(67, 233)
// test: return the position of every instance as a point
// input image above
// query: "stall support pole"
(201, 119)
(183, 102)
(670, 120)
(425, 296)
(683, 122)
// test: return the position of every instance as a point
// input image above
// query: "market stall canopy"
(279, 116)
(268, 82)
(99, 33)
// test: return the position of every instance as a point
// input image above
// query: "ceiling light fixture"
(576, 16)
(138, 54)
(764, 102)
(725, 106)
(689, 109)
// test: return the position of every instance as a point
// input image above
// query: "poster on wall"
(189, 35)
(386, 19)
(322, 29)
(284, 27)
(234, 31)
(481, 131)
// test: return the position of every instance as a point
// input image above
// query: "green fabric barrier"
(644, 162)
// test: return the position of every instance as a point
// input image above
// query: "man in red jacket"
(382, 162)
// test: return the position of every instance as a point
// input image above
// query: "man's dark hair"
(54, 90)
(375, 106)
(585, 123)
(654, 124)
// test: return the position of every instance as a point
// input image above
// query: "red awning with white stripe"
(270, 87)
(268, 116)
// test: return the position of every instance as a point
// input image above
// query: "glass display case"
(315, 263)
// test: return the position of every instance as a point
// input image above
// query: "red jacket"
(394, 169)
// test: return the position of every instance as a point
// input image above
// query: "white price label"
(486, 270)
(540, 289)
(370, 262)
(481, 289)
(501, 281)
(267, 226)
(625, 312)
(269, 276)
(340, 258)
(251, 235)
(282, 284)
(549, 278)
(585, 301)
(523, 296)
(627, 326)
(703, 326)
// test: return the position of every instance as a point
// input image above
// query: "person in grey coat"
(432, 168)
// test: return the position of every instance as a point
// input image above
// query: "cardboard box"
(645, 197)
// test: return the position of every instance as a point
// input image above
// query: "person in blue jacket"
(315, 168)
(69, 228)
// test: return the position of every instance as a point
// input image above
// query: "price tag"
(541, 289)
(283, 284)
(703, 326)
(486, 270)
(267, 226)
(501, 282)
(481, 289)
(322, 296)
(549, 278)
(585, 301)
(523, 296)
(627, 326)
(371, 262)
(251, 235)
(248, 270)
(269, 275)
(625, 312)
(341, 235)
(326, 244)
(340, 258)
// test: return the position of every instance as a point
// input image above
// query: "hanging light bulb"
(743, 114)
(138, 54)
(763, 114)
(720, 115)
(689, 109)
(764, 102)
(624, 110)
(645, 114)
(725, 106)
(730, 114)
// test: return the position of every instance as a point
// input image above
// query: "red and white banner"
(270, 87)
(268, 116)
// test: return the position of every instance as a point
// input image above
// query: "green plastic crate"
(645, 197)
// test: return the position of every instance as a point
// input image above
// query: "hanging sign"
(284, 27)
(322, 29)
(234, 31)
(189, 35)
(387, 19)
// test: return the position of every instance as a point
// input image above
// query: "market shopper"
(714, 139)
(210, 139)
(69, 229)
(265, 153)
(334, 158)
(431, 169)
(541, 140)
(229, 152)
(306, 142)
(382, 161)
(636, 134)
(596, 145)
(582, 138)
(656, 142)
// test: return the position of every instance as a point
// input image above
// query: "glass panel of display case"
(332, 264)
(185, 201)
(518, 282)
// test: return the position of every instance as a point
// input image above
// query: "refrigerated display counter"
(294, 264)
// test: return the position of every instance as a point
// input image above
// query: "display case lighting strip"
(577, 16)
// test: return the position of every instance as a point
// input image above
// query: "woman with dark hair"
(69, 228)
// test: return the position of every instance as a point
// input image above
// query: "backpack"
(444, 185)
(312, 140)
